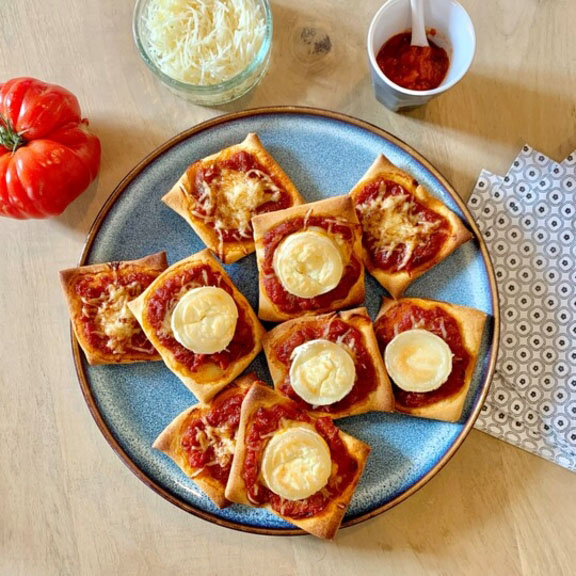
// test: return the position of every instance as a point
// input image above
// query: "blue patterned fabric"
(528, 221)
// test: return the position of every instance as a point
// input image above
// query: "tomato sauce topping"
(246, 165)
(164, 299)
(431, 232)
(348, 336)
(94, 290)
(264, 422)
(290, 303)
(406, 316)
(224, 415)
(413, 67)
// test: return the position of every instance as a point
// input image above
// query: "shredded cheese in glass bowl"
(209, 51)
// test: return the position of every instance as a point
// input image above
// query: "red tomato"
(48, 156)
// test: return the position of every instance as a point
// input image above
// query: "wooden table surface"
(68, 505)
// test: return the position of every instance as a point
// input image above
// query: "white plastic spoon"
(418, 28)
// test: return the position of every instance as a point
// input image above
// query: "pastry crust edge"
(165, 442)
(336, 206)
(396, 283)
(471, 323)
(203, 389)
(381, 399)
(156, 262)
(324, 525)
(179, 199)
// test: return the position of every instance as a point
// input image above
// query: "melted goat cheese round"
(204, 320)
(321, 372)
(296, 463)
(418, 360)
(308, 263)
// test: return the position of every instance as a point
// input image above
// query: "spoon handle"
(418, 27)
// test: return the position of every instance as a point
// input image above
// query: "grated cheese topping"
(391, 221)
(112, 316)
(222, 440)
(204, 42)
(231, 201)
(241, 195)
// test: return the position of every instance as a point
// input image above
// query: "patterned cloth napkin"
(528, 220)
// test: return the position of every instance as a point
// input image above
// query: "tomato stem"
(9, 138)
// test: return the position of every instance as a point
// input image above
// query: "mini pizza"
(406, 231)
(329, 363)
(202, 326)
(309, 259)
(98, 296)
(296, 464)
(430, 349)
(219, 194)
(202, 439)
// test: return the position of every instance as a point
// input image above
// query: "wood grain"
(68, 506)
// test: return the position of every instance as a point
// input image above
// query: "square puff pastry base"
(154, 262)
(471, 323)
(381, 399)
(339, 207)
(169, 439)
(397, 282)
(326, 523)
(209, 379)
(182, 202)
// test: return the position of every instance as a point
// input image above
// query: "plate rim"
(274, 111)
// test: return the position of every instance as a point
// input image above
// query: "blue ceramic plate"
(324, 153)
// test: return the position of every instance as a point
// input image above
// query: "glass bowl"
(209, 94)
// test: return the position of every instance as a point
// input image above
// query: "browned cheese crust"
(169, 440)
(209, 378)
(154, 263)
(182, 201)
(396, 282)
(338, 208)
(471, 324)
(324, 524)
(380, 399)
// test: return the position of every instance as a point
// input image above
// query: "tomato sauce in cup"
(413, 67)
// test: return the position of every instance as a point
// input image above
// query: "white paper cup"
(455, 33)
